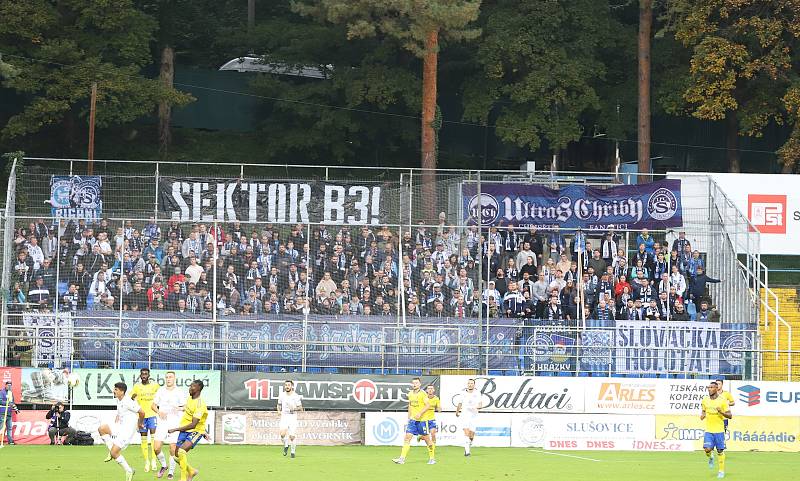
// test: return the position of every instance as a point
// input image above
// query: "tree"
(361, 112)
(645, 39)
(59, 48)
(538, 69)
(420, 26)
(742, 67)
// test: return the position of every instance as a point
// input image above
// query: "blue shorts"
(714, 440)
(193, 438)
(417, 428)
(431, 425)
(149, 424)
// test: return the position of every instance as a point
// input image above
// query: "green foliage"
(364, 74)
(408, 21)
(540, 66)
(73, 44)
(743, 57)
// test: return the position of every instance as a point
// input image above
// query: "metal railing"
(346, 344)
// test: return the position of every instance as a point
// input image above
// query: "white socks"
(121, 461)
(294, 445)
(172, 464)
(107, 441)
(285, 442)
(162, 459)
(467, 445)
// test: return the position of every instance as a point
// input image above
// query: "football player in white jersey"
(467, 410)
(289, 403)
(168, 406)
(130, 418)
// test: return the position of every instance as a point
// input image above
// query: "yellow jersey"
(431, 412)
(416, 402)
(715, 422)
(145, 393)
(727, 396)
(195, 408)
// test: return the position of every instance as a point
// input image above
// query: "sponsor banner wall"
(256, 390)
(228, 200)
(30, 427)
(766, 398)
(770, 201)
(13, 374)
(536, 430)
(745, 433)
(89, 420)
(681, 396)
(655, 205)
(518, 393)
(660, 346)
(624, 396)
(645, 396)
(44, 385)
(95, 387)
(618, 445)
(528, 430)
(603, 428)
(76, 197)
(388, 429)
(318, 428)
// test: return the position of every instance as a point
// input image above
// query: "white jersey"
(170, 402)
(127, 413)
(289, 403)
(470, 402)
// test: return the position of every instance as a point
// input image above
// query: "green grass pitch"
(367, 463)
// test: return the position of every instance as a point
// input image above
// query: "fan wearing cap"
(6, 406)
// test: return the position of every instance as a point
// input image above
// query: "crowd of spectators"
(266, 270)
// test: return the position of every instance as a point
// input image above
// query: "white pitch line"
(565, 455)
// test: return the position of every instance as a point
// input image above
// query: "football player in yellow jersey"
(714, 411)
(429, 416)
(726, 395)
(143, 393)
(418, 404)
(192, 428)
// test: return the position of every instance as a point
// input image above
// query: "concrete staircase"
(776, 368)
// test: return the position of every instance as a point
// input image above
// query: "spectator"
(553, 312)
(39, 295)
(698, 288)
(597, 262)
(680, 314)
(704, 314)
(608, 248)
(325, 286)
(646, 240)
(513, 301)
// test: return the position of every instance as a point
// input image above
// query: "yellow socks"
(183, 461)
(145, 448)
(432, 451)
(721, 460)
(404, 451)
